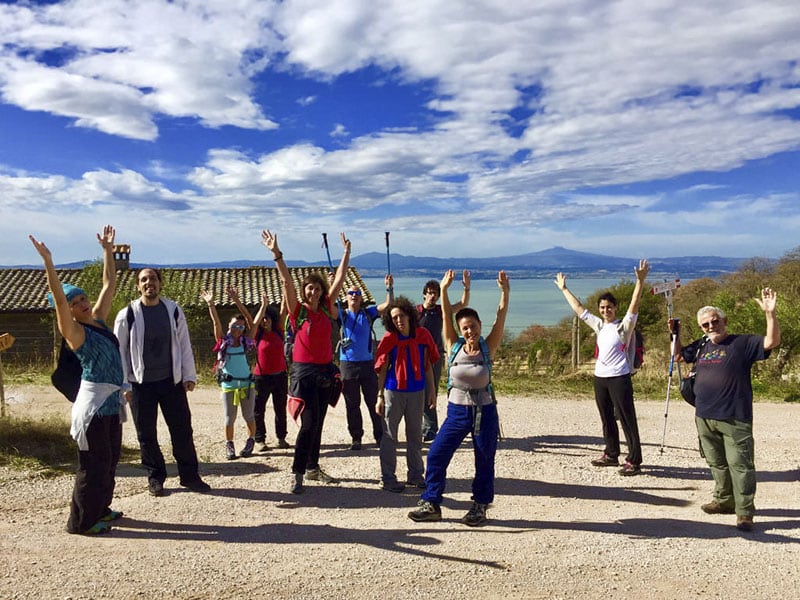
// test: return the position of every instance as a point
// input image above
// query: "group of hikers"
(147, 362)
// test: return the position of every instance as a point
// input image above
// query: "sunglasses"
(238, 327)
(353, 292)
(711, 323)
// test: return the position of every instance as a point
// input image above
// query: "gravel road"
(559, 528)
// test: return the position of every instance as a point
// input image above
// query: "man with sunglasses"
(430, 317)
(356, 348)
(724, 404)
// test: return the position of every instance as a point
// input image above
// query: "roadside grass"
(42, 448)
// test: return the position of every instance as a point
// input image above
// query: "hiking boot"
(715, 508)
(198, 485)
(263, 447)
(155, 487)
(230, 451)
(629, 469)
(393, 486)
(605, 461)
(417, 483)
(476, 515)
(111, 515)
(744, 523)
(282, 443)
(297, 485)
(429, 437)
(98, 528)
(426, 511)
(320, 475)
(248, 448)
(356, 445)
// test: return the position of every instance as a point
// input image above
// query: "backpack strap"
(487, 360)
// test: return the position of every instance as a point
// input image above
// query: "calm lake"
(532, 301)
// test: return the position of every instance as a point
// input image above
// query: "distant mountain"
(544, 263)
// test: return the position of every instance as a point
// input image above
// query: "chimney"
(122, 256)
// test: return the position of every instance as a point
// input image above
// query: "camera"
(346, 343)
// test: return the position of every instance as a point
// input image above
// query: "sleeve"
(689, 353)
(188, 369)
(373, 313)
(593, 321)
(385, 346)
(124, 337)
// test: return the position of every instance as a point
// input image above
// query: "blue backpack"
(487, 360)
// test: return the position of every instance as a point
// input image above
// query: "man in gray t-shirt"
(159, 369)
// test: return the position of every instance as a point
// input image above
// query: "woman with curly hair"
(404, 362)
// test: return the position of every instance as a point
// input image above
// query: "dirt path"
(559, 528)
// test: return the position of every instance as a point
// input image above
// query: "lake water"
(532, 301)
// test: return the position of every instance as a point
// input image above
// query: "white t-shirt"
(611, 361)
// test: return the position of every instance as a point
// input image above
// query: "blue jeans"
(459, 423)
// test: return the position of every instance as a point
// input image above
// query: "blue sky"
(463, 127)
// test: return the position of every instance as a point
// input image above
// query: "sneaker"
(629, 469)
(230, 451)
(155, 487)
(356, 445)
(744, 523)
(199, 486)
(393, 486)
(111, 515)
(426, 511)
(282, 443)
(418, 483)
(320, 475)
(248, 448)
(605, 461)
(98, 528)
(297, 484)
(476, 515)
(715, 508)
(429, 437)
(263, 447)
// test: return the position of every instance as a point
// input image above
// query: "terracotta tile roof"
(25, 290)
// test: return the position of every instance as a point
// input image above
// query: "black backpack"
(67, 376)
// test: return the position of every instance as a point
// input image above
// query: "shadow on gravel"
(667, 529)
(414, 542)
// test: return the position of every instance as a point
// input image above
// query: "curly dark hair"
(323, 283)
(408, 308)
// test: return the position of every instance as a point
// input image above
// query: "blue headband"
(70, 291)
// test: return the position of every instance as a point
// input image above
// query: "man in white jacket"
(159, 369)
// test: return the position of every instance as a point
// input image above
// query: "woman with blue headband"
(96, 413)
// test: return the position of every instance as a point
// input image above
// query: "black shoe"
(230, 451)
(248, 448)
(155, 487)
(429, 437)
(476, 515)
(297, 485)
(629, 469)
(426, 511)
(199, 486)
(356, 445)
(282, 443)
(320, 475)
(605, 461)
(393, 486)
(419, 483)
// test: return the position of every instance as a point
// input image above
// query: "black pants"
(306, 385)
(147, 397)
(614, 396)
(278, 386)
(94, 481)
(360, 378)
(430, 420)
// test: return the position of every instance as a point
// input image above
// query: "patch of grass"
(42, 447)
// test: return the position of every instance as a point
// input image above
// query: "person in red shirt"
(312, 379)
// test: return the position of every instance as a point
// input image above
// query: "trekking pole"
(389, 266)
(330, 264)
(673, 339)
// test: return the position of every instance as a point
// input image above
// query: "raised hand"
(270, 240)
(345, 242)
(502, 281)
(768, 300)
(207, 296)
(233, 293)
(466, 278)
(447, 279)
(642, 270)
(106, 239)
(43, 250)
(561, 281)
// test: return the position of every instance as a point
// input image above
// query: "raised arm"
(233, 294)
(262, 311)
(71, 330)
(466, 279)
(270, 240)
(208, 297)
(341, 271)
(641, 274)
(449, 334)
(106, 297)
(495, 336)
(389, 281)
(561, 283)
(768, 303)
